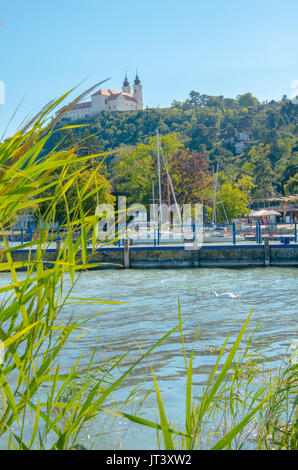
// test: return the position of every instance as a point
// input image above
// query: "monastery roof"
(102, 92)
(113, 97)
(113, 94)
(108, 92)
(129, 97)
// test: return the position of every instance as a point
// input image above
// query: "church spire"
(126, 82)
(137, 91)
(126, 87)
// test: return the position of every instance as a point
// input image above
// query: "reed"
(241, 406)
(33, 333)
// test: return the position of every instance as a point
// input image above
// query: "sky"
(215, 47)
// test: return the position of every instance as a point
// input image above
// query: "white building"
(244, 136)
(242, 140)
(240, 146)
(109, 100)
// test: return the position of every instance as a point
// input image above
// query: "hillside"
(223, 129)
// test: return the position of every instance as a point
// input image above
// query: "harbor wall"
(136, 257)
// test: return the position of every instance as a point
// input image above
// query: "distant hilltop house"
(110, 101)
(241, 140)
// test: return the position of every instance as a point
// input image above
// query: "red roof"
(113, 92)
(102, 92)
(113, 97)
(126, 96)
(86, 104)
(129, 97)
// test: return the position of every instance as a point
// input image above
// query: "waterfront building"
(287, 206)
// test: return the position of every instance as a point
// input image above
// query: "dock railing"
(235, 233)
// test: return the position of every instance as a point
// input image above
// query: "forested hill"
(201, 122)
(223, 129)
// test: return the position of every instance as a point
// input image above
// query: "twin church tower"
(110, 100)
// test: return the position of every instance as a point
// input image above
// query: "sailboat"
(217, 233)
(158, 230)
(167, 234)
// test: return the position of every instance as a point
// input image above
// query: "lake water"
(152, 311)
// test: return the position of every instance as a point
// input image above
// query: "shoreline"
(175, 256)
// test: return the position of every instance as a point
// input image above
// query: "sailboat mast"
(214, 195)
(153, 197)
(171, 185)
(169, 203)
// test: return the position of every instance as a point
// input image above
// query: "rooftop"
(86, 104)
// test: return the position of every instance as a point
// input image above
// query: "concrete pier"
(126, 254)
(266, 251)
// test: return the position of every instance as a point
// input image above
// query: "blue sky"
(217, 47)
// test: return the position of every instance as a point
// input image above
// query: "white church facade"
(110, 101)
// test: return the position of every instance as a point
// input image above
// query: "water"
(152, 311)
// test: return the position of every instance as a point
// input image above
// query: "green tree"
(260, 168)
(196, 99)
(292, 186)
(246, 185)
(234, 200)
(132, 173)
(247, 100)
(134, 169)
(288, 169)
(95, 188)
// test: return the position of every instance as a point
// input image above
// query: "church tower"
(126, 87)
(137, 91)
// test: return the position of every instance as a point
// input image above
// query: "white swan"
(224, 295)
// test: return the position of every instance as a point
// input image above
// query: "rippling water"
(152, 311)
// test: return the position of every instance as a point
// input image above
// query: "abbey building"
(110, 100)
